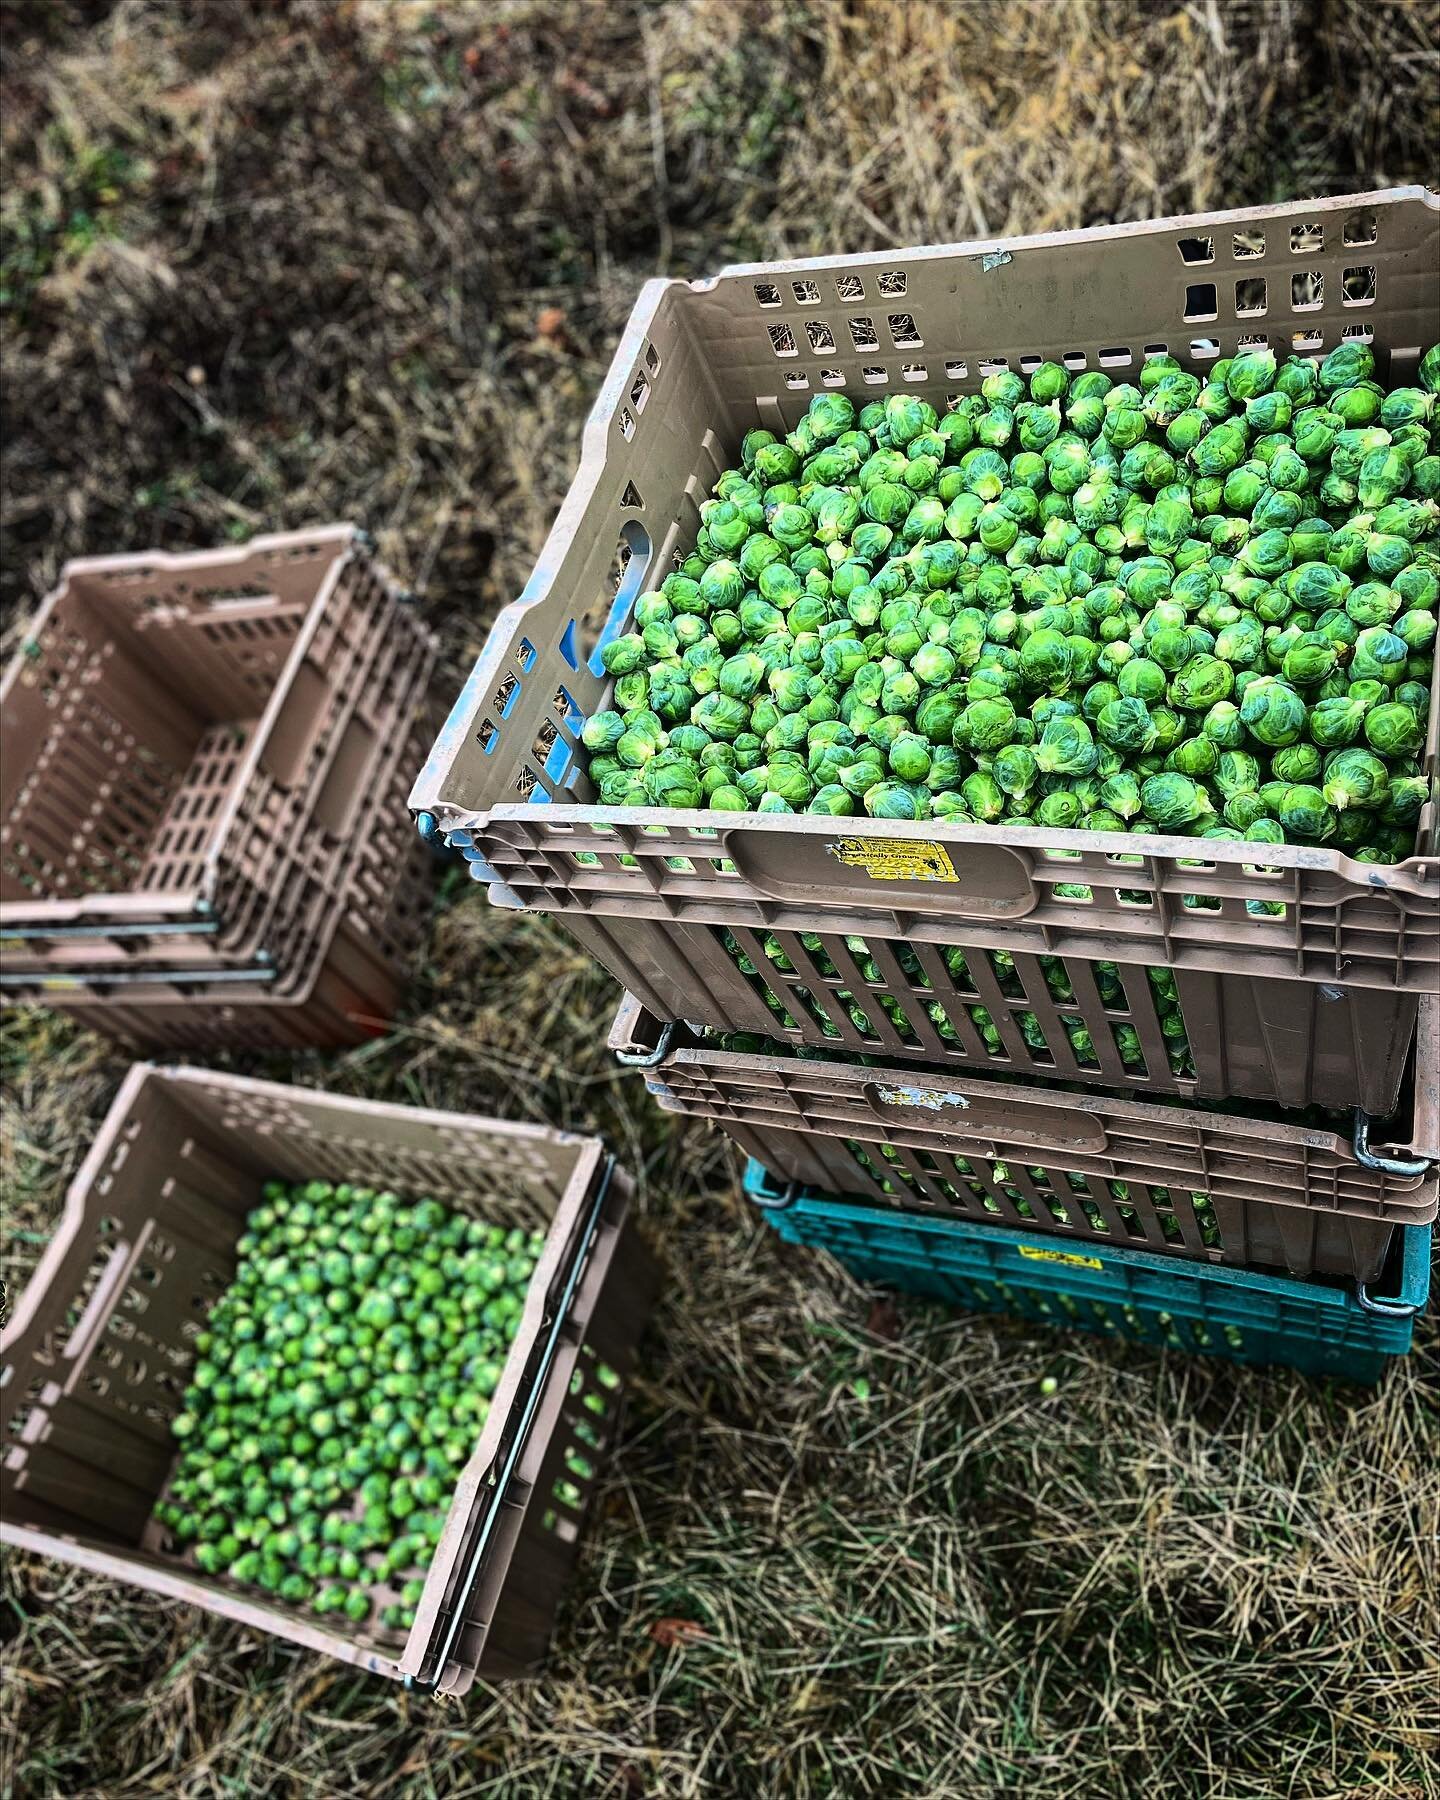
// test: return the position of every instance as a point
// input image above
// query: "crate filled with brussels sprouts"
(1037, 600)
(1244, 1187)
(344, 1372)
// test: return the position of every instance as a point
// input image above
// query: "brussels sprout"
(1379, 655)
(728, 799)
(859, 777)
(895, 800)
(1354, 777)
(672, 784)
(1309, 659)
(1304, 813)
(909, 756)
(831, 799)
(1272, 712)
(983, 796)
(985, 725)
(1243, 810)
(602, 731)
(1059, 811)
(1066, 747)
(1394, 729)
(1296, 762)
(1173, 802)
(1346, 366)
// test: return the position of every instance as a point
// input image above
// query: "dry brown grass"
(268, 263)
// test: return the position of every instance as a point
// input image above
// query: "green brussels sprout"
(1355, 777)
(947, 768)
(720, 715)
(728, 799)
(909, 756)
(983, 796)
(859, 777)
(1125, 724)
(870, 541)
(672, 784)
(1304, 813)
(1394, 729)
(1379, 654)
(1223, 726)
(1310, 658)
(1014, 769)
(1193, 756)
(933, 665)
(1237, 772)
(1047, 661)
(906, 416)
(1272, 712)
(985, 725)
(1296, 762)
(1173, 802)
(1350, 363)
(831, 799)
(895, 800)
(1407, 796)
(1066, 747)
(752, 443)
(1059, 810)
(1243, 809)
(602, 731)
(1200, 682)
(624, 788)
(1336, 722)
(723, 584)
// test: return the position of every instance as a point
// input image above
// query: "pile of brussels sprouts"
(1204, 607)
(342, 1379)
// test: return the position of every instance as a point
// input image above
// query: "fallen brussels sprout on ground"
(1195, 607)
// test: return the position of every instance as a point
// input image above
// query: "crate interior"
(90, 1394)
(132, 707)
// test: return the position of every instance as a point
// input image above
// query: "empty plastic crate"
(1223, 1187)
(338, 972)
(96, 1359)
(1298, 980)
(189, 738)
(1239, 1314)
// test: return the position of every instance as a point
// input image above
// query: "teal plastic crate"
(1239, 1314)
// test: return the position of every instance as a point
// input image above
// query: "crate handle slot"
(97, 1308)
(1388, 1165)
(460, 1605)
(974, 1116)
(1385, 1309)
(649, 1059)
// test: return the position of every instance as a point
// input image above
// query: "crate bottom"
(1243, 1316)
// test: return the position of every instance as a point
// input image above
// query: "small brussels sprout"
(896, 800)
(1350, 363)
(1272, 712)
(1296, 762)
(1193, 756)
(985, 725)
(1059, 811)
(1066, 747)
(831, 799)
(1394, 729)
(1304, 813)
(1379, 654)
(983, 796)
(1310, 658)
(1173, 802)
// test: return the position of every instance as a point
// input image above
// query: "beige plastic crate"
(96, 1358)
(1276, 1195)
(338, 972)
(700, 363)
(183, 735)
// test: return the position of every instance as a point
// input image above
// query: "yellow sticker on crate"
(895, 859)
(1060, 1256)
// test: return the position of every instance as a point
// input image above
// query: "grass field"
(266, 264)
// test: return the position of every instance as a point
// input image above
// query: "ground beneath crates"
(261, 269)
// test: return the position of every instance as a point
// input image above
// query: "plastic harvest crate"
(1239, 1314)
(186, 739)
(96, 1359)
(1315, 1002)
(337, 974)
(1219, 1187)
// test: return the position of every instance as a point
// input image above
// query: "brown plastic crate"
(339, 973)
(175, 728)
(96, 1359)
(1352, 946)
(1279, 1195)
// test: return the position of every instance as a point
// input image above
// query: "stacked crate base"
(1219, 1187)
(275, 903)
(1242, 1315)
(1298, 980)
(97, 1357)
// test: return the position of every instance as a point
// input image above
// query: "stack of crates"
(203, 840)
(982, 1029)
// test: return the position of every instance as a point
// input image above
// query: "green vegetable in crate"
(341, 1381)
(1093, 605)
